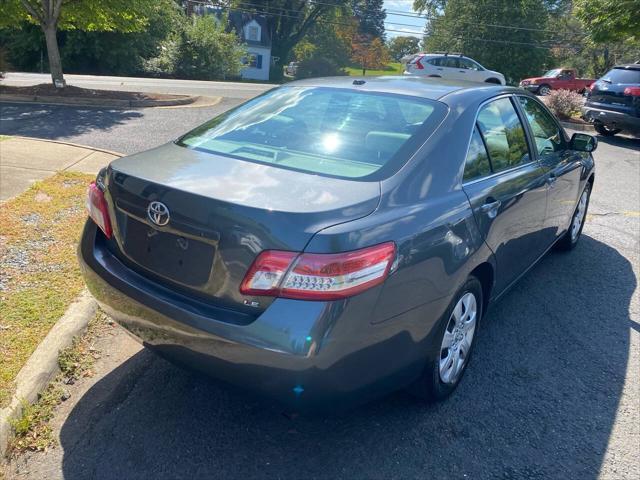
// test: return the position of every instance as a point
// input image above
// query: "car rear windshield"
(622, 75)
(329, 131)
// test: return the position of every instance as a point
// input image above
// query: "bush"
(564, 103)
(318, 67)
(202, 50)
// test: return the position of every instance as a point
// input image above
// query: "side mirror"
(582, 142)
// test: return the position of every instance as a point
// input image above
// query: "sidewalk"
(24, 161)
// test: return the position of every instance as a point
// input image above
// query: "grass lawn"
(391, 69)
(39, 273)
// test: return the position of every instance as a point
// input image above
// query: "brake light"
(632, 91)
(318, 276)
(419, 65)
(97, 209)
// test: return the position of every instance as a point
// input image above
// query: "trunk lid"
(222, 212)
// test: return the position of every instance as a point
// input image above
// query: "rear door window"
(503, 134)
(477, 162)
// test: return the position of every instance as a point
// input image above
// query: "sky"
(400, 24)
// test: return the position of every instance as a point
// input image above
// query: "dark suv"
(613, 104)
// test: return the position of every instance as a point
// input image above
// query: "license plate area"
(174, 257)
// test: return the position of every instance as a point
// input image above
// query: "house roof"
(238, 20)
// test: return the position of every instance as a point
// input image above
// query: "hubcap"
(578, 218)
(456, 343)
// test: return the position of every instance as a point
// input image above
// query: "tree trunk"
(55, 64)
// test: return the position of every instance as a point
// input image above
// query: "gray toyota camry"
(333, 240)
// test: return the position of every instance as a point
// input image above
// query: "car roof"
(631, 66)
(413, 85)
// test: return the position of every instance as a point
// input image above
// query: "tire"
(572, 236)
(544, 90)
(493, 80)
(438, 382)
(605, 131)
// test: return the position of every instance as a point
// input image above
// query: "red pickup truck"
(557, 79)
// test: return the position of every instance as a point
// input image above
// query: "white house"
(254, 31)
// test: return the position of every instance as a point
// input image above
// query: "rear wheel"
(544, 90)
(454, 344)
(570, 239)
(605, 131)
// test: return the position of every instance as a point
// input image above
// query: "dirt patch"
(48, 90)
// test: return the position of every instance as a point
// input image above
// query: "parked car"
(613, 103)
(292, 69)
(451, 66)
(557, 79)
(334, 240)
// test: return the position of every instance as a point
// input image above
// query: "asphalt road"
(552, 390)
(236, 90)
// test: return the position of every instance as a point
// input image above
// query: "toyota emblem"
(158, 213)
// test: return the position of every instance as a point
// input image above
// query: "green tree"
(477, 29)
(329, 40)
(370, 15)
(402, 46)
(610, 20)
(117, 53)
(89, 15)
(202, 49)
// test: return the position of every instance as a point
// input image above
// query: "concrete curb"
(62, 142)
(97, 102)
(42, 365)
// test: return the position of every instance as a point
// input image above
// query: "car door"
(508, 199)
(469, 70)
(563, 167)
(451, 68)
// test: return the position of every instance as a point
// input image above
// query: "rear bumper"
(612, 118)
(308, 355)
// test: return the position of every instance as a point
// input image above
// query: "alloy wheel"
(578, 218)
(458, 337)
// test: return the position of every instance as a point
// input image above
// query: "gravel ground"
(552, 390)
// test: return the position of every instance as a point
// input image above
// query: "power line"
(406, 32)
(250, 5)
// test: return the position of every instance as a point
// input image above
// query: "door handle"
(462, 71)
(551, 179)
(491, 207)
(438, 69)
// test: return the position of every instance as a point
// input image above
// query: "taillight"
(97, 209)
(419, 65)
(318, 276)
(632, 91)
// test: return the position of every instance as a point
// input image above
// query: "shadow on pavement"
(621, 141)
(58, 121)
(539, 401)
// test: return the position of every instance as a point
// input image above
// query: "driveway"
(552, 390)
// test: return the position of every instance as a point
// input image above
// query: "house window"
(252, 60)
(252, 33)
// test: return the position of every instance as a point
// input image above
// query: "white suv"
(451, 66)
